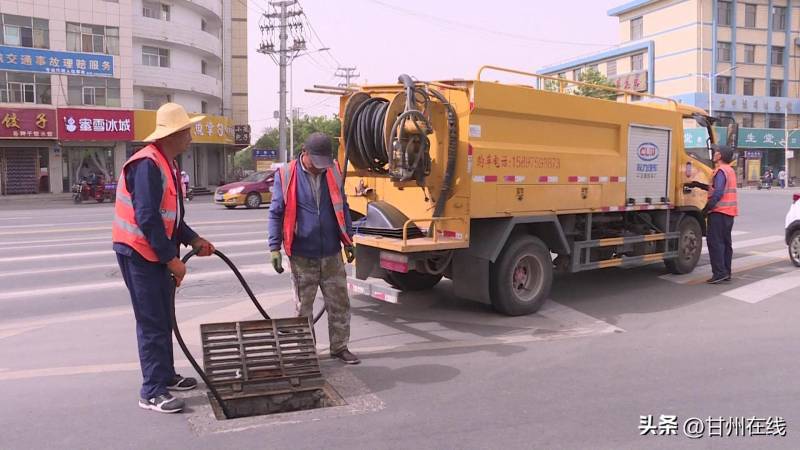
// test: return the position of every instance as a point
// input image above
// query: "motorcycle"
(96, 190)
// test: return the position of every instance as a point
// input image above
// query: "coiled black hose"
(365, 146)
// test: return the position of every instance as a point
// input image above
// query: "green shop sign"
(748, 137)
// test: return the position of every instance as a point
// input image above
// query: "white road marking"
(106, 227)
(52, 243)
(742, 264)
(764, 289)
(751, 242)
(738, 233)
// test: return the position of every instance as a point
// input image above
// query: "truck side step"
(369, 288)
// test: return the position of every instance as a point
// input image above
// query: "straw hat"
(171, 118)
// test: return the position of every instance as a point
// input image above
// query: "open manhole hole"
(261, 367)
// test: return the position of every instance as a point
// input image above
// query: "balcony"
(176, 80)
(210, 5)
(161, 31)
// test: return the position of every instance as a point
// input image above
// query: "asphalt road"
(611, 346)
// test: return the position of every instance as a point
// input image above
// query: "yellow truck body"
(565, 172)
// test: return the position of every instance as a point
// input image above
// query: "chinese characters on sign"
(748, 138)
(19, 123)
(95, 124)
(213, 129)
(697, 428)
(241, 134)
(264, 157)
(517, 162)
(748, 103)
(23, 59)
(634, 81)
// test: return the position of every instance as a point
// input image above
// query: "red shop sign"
(27, 123)
(95, 124)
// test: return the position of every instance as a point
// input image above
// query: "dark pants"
(720, 249)
(151, 288)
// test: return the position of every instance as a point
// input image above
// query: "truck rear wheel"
(522, 276)
(690, 245)
(412, 281)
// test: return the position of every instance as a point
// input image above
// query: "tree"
(592, 76)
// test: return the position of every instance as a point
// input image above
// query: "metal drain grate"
(263, 366)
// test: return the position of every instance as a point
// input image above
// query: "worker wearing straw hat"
(147, 231)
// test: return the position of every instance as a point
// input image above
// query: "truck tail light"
(394, 262)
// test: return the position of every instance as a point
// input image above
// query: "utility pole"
(347, 73)
(284, 20)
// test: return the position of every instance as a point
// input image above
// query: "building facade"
(737, 59)
(99, 69)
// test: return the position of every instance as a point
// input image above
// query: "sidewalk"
(34, 200)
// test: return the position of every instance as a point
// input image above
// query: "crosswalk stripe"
(751, 242)
(764, 289)
(742, 264)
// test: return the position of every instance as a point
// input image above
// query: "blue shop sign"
(24, 59)
(264, 153)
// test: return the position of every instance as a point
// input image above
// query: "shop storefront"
(28, 150)
(94, 143)
(209, 160)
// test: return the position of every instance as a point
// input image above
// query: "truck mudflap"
(369, 288)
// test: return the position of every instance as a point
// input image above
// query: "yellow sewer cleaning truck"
(496, 186)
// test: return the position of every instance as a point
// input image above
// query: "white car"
(793, 230)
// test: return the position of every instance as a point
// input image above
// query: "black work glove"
(350, 253)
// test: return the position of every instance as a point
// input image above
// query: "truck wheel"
(794, 248)
(690, 245)
(412, 281)
(521, 277)
(253, 200)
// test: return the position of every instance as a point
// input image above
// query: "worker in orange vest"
(147, 231)
(309, 217)
(722, 207)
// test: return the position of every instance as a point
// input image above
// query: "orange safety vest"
(728, 203)
(125, 230)
(334, 179)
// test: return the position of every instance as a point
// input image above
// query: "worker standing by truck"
(309, 216)
(147, 230)
(722, 207)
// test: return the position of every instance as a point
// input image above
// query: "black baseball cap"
(318, 147)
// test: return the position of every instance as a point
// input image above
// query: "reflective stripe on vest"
(125, 229)
(288, 176)
(728, 203)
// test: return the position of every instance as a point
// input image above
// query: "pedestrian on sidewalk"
(185, 182)
(309, 216)
(147, 231)
(782, 178)
(722, 207)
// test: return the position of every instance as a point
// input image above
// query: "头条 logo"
(647, 151)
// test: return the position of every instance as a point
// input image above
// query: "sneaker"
(165, 403)
(346, 357)
(180, 383)
(728, 278)
(713, 280)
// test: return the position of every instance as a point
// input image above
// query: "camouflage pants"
(328, 274)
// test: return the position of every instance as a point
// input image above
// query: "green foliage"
(303, 127)
(592, 76)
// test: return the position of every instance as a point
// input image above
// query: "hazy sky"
(429, 40)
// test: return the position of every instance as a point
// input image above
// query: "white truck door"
(648, 164)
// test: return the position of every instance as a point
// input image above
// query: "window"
(23, 31)
(611, 68)
(747, 120)
(576, 75)
(83, 37)
(203, 25)
(93, 91)
(723, 52)
(153, 100)
(19, 87)
(203, 107)
(594, 67)
(637, 29)
(749, 53)
(562, 75)
(750, 12)
(723, 85)
(153, 10)
(776, 88)
(724, 10)
(778, 18)
(154, 56)
(637, 62)
(748, 85)
(203, 67)
(777, 56)
(774, 120)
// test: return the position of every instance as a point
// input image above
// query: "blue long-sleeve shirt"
(719, 189)
(316, 230)
(143, 179)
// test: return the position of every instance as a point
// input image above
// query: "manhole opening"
(264, 404)
(262, 367)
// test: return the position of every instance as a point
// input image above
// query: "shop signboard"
(77, 124)
(748, 138)
(24, 59)
(210, 130)
(264, 158)
(633, 81)
(241, 134)
(27, 123)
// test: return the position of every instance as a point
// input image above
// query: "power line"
(473, 27)
(347, 73)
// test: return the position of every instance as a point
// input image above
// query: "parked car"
(793, 230)
(251, 192)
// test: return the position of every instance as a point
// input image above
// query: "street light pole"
(710, 77)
